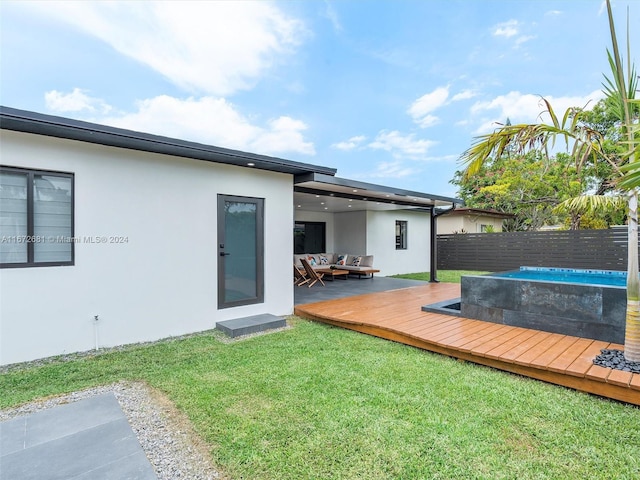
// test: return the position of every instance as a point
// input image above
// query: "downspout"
(434, 242)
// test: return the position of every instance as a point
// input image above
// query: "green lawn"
(451, 276)
(318, 402)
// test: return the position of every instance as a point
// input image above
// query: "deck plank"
(527, 357)
(545, 358)
(583, 363)
(396, 315)
(564, 360)
(618, 377)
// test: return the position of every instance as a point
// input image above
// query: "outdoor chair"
(299, 276)
(314, 276)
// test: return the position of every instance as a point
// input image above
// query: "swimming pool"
(568, 275)
(582, 303)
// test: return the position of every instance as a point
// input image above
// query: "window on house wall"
(36, 218)
(401, 234)
(309, 237)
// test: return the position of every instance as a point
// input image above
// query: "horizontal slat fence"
(588, 249)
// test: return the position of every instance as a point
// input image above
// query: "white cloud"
(464, 95)
(400, 145)
(283, 135)
(76, 101)
(525, 108)
(395, 169)
(522, 39)
(352, 143)
(211, 47)
(506, 29)
(214, 121)
(420, 110)
(331, 14)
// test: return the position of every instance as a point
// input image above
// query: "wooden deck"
(396, 315)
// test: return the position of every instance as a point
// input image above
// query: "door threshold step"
(238, 327)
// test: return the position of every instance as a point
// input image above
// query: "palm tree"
(587, 145)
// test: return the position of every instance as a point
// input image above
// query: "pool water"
(568, 275)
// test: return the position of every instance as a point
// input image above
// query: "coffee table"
(333, 273)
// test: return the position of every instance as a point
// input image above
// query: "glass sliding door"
(240, 251)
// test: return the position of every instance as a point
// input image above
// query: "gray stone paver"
(90, 438)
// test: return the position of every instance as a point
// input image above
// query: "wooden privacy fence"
(493, 252)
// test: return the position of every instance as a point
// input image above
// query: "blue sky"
(387, 92)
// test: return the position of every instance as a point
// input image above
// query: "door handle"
(224, 254)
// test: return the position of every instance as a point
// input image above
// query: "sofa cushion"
(313, 260)
(356, 261)
(351, 268)
(331, 257)
(366, 261)
(324, 259)
(341, 260)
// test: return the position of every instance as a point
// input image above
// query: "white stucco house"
(472, 220)
(110, 236)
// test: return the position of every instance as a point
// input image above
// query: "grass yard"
(448, 276)
(316, 401)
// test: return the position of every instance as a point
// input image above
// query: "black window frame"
(31, 173)
(401, 239)
(323, 238)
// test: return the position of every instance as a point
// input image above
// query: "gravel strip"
(164, 433)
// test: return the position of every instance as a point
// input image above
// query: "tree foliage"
(533, 186)
(530, 187)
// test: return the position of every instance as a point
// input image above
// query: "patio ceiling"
(325, 193)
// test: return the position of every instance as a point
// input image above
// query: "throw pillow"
(356, 262)
(342, 260)
(312, 260)
(324, 260)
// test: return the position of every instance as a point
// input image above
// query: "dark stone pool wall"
(587, 311)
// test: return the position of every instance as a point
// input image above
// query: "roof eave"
(60, 127)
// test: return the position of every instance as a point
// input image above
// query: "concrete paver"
(88, 439)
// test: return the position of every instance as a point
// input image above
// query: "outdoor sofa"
(355, 264)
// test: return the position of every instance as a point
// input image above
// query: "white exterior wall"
(327, 218)
(350, 235)
(469, 223)
(163, 281)
(447, 224)
(381, 242)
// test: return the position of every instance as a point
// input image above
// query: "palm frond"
(592, 204)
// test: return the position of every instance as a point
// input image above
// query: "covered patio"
(396, 226)
(392, 309)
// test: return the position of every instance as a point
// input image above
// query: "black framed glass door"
(240, 251)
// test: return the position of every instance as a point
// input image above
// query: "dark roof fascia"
(345, 182)
(66, 128)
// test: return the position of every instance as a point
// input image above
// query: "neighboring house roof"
(480, 212)
(60, 127)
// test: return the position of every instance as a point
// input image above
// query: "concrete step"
(246, 325)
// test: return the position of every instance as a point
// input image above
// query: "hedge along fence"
(494, 252)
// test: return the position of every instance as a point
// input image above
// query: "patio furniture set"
(311, 269)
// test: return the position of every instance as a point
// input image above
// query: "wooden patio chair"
(299, 276)
(314, 276)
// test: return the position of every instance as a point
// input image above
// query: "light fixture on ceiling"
(251, 164)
